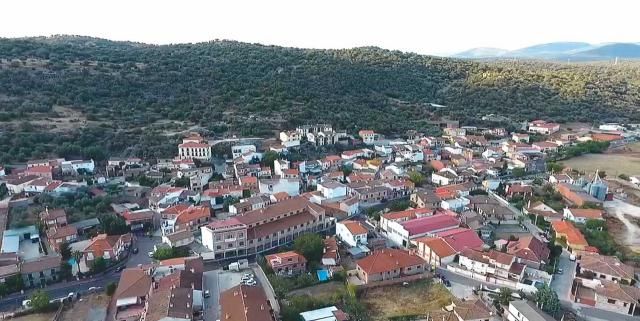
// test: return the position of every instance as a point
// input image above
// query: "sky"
(428, 27)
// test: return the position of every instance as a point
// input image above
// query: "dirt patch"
(90, 308)
(418, 298)
(322, 290)
(36, 317)
(623, 218)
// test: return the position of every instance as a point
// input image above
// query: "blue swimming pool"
(323, 275)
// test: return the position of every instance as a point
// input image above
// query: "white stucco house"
(352, 233)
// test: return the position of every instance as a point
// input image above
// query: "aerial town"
(320, 224)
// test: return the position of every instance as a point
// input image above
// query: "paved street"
(58, 290)
(562, 282)
(144, 245)
(210, 282)
(217, 281)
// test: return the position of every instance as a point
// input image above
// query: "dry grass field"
(613, 164)
(417, 298)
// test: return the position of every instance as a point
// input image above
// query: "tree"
(183, 181)
(65, 270)
(269, 157)
(547, 300)
(99, 265)
(554, 167)
(621, 176)
(77, 256)
(40, 300)
(518, 172)
(416, 177)
(65, 251)
(170, 253)
(3, 190)
(310, 246)
(505, 296)
(113, 225)
(111, 288)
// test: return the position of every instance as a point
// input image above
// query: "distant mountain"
(552, 49)
(580, 51)
(620, 50)
(484, 52)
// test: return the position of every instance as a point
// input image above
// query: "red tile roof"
(39, 169)
(588, 213)
(194, 145)
(388, 260)
(462, 238)
(355, 227)
(438, 245)
(430, 224)
(529, 248)
(193, 213)
(280, 259)
(574, 236)
(410, 214)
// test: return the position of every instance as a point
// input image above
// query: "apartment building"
(264, 229)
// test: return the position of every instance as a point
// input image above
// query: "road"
(562, 283)
(14, 301)
(211, 306)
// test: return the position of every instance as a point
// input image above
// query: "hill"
(620, 50)
(478, 53)
(87, 97)
(560, 51)
(549, 50)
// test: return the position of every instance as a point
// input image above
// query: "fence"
(491, 280)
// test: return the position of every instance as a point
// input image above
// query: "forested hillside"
(78, 96)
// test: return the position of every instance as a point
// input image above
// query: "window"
(218, 247)
(611, 301)
(242, 243)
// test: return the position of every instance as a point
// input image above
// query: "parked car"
(120, 268)
(94, 289)
(559, 271)
(572, 257)
(246, 277)
(447, 283)
(251, 282)
(150, 254)
(207, 294)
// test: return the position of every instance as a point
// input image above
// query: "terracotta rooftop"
(387, 260)
(529, 248)
(430, 224)
(472, 310)
(354, 227)
(134, 282)
(574, 236)
(245, 303)
(461, 238)
(588, 213)
(41, 264)
(170, 303)
(438, 246)
(609, 265)
(407, 214)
